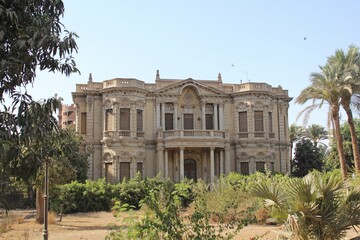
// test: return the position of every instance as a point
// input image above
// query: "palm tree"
(316, 133)
(325, 88)
(295, 133)
(314, 207)
(348, 65)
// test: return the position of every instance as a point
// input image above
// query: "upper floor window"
(188, 121)
(169, 121)
(124, 118)
(209, 121)
(243, 126)
(259, 121)
(139, 120)
(83, 123)
(108, 119)
(270, 122)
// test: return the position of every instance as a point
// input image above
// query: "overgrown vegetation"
(318, 206)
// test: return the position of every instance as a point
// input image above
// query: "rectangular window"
(124, 118)
(108, 119)
(244, 168)
(260, 166)
(139, 120)
(243, 126)
(169, 121)
(259, 121)
(272, 166)
(109, 172)
(124, 171)
(209, 121)
(188, 121)
(139, 167)
(270, 122)
(83, 123)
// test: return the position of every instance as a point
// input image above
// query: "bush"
(83, 197)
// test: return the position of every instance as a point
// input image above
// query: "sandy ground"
(95, 226)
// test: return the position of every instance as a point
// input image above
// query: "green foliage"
(163, 218)
(31, 38)
(83, 197)
(318, 206)
(307, 158)
(332, 162)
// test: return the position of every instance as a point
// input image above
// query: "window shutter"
(124, 170)
(124, 118)
(169, 122)
(259, 121)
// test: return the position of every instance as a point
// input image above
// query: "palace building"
(182, 128)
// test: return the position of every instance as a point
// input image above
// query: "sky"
(279, 42)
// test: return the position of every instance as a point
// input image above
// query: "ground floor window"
(109, 176)
(124, 171)
(139, 167)
(190, 169)
(260, 166)
(244, 168)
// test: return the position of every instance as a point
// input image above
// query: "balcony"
(192, 138)
(257, 135)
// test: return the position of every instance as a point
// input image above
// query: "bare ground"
(95, 226)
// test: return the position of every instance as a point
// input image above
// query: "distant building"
(67, 116)
(181, 128)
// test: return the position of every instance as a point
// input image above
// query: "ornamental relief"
(124, 157)
(108, 104)
(140, 104)
(169, 107)
(125, 103)
(209, 108)
(108, 157)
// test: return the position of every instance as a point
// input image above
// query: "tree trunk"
(39, 206)
(339, 140)
(354, 141)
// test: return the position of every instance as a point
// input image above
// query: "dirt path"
(95, 226)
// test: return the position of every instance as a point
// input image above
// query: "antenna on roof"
(219, 77)
(157, 75)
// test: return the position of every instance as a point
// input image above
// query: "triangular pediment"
(202, 88)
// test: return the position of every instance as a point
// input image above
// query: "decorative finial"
(90, 77)
(157, 75)
(219, 77)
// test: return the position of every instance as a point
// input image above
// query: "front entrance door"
(190, 168)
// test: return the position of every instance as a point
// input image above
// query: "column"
(163, 116)
(175, 116)
(181, 163)
(157, 115)
(221, 116)
(215, 116)
(221, 161)
(166, 175)
(160, 161)
(203, 109)
(212, 166)
(227, 159)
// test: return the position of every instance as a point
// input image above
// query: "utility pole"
(46, 200)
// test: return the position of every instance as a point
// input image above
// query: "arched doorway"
(190, 168)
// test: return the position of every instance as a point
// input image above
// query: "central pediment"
(201, 88)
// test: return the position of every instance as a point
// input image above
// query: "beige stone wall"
(214, 151)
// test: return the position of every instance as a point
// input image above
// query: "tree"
(307, 158)
(348, 65)
(32, 38)
(314, 207)
(295, 134)
(326, 88)
(332, 160)
(316, 133)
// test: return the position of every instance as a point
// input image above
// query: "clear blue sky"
(264, 40)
